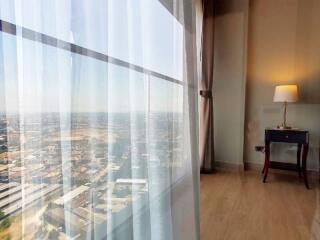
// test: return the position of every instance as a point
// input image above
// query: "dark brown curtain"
(206, 102)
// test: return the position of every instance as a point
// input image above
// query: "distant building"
(71, 195)
(135, 183)
(71, 224)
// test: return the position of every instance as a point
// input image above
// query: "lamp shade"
(286, 93)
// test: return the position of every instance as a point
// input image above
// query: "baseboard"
(228, 166)
(258, 167)
(253, 166)
(249, 166)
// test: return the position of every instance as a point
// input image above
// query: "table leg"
(266, 162)
(304, 164)
(299, 159)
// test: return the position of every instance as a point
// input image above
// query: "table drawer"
(288, 136)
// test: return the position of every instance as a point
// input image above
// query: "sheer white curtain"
(98, 120)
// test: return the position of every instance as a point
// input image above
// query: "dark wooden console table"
(300, 137)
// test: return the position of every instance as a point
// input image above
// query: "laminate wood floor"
(239, 206)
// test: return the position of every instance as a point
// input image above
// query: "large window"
(93, 121)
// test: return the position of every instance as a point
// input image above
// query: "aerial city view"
(108, 160)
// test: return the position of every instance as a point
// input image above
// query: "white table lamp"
(286, 94)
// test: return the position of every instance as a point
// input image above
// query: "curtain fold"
(98, 120)
(206, 82)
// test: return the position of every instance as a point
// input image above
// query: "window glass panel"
(167, 128)
(141, 32)
(84, 143)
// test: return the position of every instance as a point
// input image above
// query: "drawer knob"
(287, 136)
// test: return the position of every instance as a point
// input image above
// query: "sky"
(40, 78)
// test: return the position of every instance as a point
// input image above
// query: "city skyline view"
(121, 156)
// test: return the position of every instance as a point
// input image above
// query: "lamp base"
(284, 124)
(282, 127)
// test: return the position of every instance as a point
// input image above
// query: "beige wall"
(229, 79)
(278, 44)
(283, 47)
